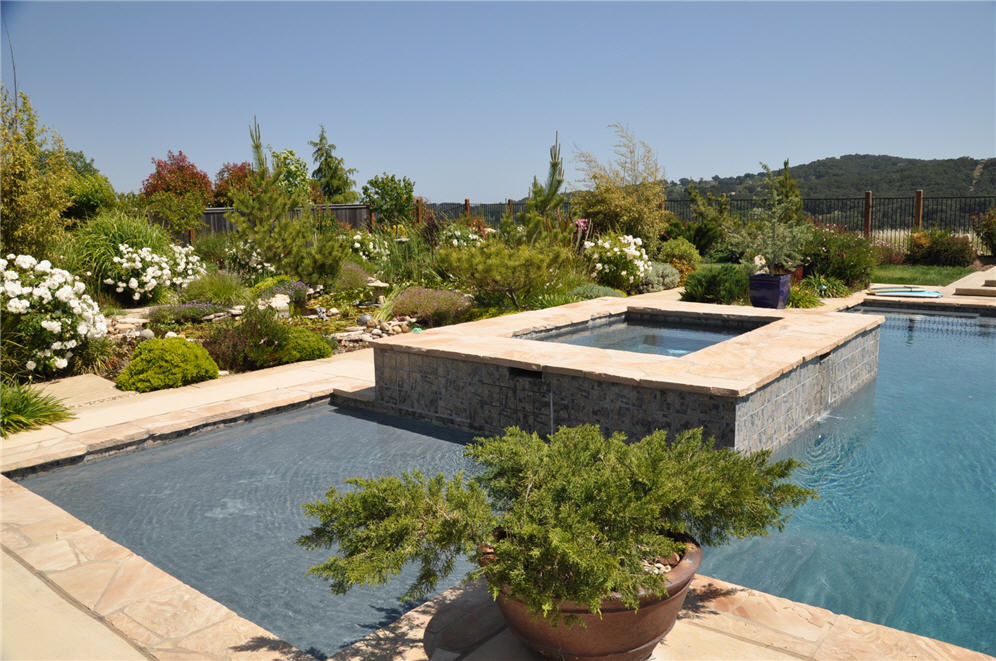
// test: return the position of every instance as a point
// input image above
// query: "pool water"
(221, 511)
(904, 533)
(643, 338)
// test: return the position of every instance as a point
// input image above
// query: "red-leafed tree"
(178, 176)
(230, 176)
(176, 192)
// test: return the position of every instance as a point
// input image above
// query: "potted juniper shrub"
(588, 543)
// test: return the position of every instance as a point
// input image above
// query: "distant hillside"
(852, 175)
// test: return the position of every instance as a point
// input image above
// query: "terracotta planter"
(770, 291)
(620, 634)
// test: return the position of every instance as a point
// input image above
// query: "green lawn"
(918, 275)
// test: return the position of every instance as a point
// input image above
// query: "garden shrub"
(167, 363)
(246, 260)
(618, 261)
(726, 284)
(212, 247)
(940, 248)
(351, 276)
(834, 252)
(143, 275)
(459, 236)
(91, 193)
(295, 290)
(94, 244)
(45, 317)
(826, 287)
(509, 273)
(219, 288)
(369, 247)
(432, 307)
(681, 254)
(984, 225)
(889, 254)
(166, 316)
(226, 345)
(34, 179)
(701, 234)
(590, 291)
(660, 277)
(302, 344)
(23, 407)
(801, 296)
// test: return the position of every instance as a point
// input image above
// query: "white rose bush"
(453, 234)
(369, 247)
(246, 260)
(46, 316)
(141, 275)
(618, 261)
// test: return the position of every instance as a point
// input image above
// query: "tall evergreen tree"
(330, 173)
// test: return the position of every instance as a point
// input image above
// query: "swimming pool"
(221, 511)
(905, 531)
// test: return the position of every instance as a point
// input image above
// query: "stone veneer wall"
(489, 397)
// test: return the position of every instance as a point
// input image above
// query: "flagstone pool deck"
(68, 592)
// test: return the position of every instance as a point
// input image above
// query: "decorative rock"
(363, 319)
(354, 329)
(395, 330)
(372, 323)
(222, 372)
(146, 334)
(405, 328)
(374, 283)
(376, 332)
(170, 334)
(333, 312)
(349, 337)
(215, 316)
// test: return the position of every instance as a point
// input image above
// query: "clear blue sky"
(464, 98)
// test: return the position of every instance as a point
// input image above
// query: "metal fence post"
(868, 214)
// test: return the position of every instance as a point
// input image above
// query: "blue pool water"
(905, 531)
(221, 511)
(642, 338)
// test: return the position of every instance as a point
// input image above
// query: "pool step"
(879, 573)
(987, 290)
(768, 564)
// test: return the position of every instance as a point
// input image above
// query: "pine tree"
(330, 173)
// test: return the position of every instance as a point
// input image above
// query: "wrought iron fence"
(892, 218)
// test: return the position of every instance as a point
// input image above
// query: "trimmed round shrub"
(940, 248)
(833, 252)
(661, 276)
(681, 254)
(432, 307)
(168, 363)
(726, 285)
(302, 344)
(588, 292)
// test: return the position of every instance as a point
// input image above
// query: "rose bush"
(45, 316)
(145, 274)
(618, 261)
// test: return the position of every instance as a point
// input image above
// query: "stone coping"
(735, 367)
(719, 620)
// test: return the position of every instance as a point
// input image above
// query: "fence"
(886, 219)
(355, 215)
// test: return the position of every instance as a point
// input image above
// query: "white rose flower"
(25, 261)
(31, 365)
(60, 363)
(52, 326)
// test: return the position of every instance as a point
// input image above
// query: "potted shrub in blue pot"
(594, 533)
(772, 240)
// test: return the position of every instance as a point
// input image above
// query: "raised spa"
(773, 374)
